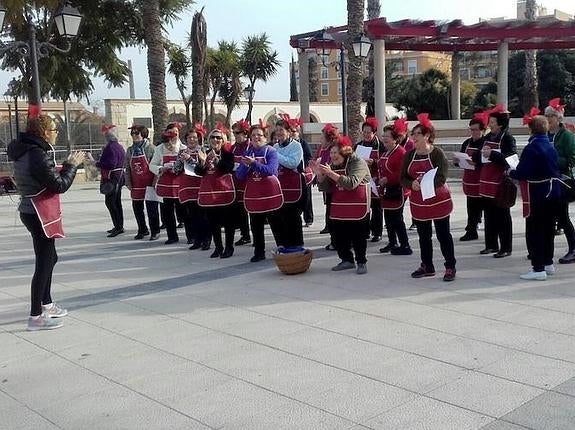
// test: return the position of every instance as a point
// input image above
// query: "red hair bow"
(242, 125)
(400, 126)
(372, 122)
(423, 119)
(34, 111)
(262, 124)
(529, 117)
(498, 108)
(556, 104)
(344, 141)
(199, 129)
(482, 117)
(329, 127)
(107, 127)
(221, 128)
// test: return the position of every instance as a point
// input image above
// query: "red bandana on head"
(529, 117)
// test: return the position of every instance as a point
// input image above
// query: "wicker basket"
(292, 264)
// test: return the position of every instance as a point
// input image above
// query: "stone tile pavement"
(160, 337)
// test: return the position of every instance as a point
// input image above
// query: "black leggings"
(114, 205)
(445, 242)
(46, 258)
(540, 235)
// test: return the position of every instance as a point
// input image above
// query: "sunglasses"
(134, 133)
(217, 137)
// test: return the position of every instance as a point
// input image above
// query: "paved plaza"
(160, 337)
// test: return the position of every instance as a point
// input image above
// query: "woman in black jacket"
(39, 185)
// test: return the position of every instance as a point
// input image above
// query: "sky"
(235, 19)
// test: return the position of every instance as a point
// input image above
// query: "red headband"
(400, 126)
(482, 117)
(555, 104)
(242, 125)
(529, 117)
(372, 122)
(199, 129)
(423, 119)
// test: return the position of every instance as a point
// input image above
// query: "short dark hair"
(426, 130)
(394, 133)
(502, 118)
(475, 121)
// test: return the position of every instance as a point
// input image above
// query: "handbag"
(107, 186)
(506, 193)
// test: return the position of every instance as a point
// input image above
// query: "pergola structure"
(454, 37)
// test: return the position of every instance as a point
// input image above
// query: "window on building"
(324, 73)
(396, 66)
(411, 67)
(464, 74)
(338, 73)
(325, 89)
(483, 72)
(339, 89)
(146, 122)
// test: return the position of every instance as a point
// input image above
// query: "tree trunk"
(531, 97)
(355, 75)
(156, 66)
(198, 39)
(373, 11)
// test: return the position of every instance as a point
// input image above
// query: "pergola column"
(303, 69)
(379, 80)
(455, 86)
(503, 73)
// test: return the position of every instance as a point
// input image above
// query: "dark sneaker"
(361, 269)
(387, 248)
(243, 241)
(422, 271)
(449, 275)
(376, 239)
(217, 252)
(171, 241)
(401, 250)
(228, 252)
(257, 258)
(568, 258)
(116, 232)
(488, 251)
(141, 235)
(195, 245)
(469, 236)
(344, 265)
(502, 254)
(155, 236)
(324, 231)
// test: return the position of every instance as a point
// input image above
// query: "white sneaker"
(534, 276)
(550, 269)
(43, 323)
(54, 311)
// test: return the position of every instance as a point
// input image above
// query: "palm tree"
(179, 66)
(156, 65)
(531, 90)
(355, 76)
(198, 43)
(373, 11)
(230, 89)
(258, 62)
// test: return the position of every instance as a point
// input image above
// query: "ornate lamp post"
(324, 42)
(67, 19)
(249, 94)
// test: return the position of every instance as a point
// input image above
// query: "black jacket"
(34, 169)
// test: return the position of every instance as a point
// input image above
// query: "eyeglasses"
(134, 133)
(217, 137)
(417, 133)
(238, 132)
(257, 135)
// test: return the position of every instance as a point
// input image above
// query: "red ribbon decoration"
(200, 129)
(329, 127)
(372, 122)
(221, 128)
(529, 117)
(34, 111)
(556, 104)
(242, 125)
(344, 141)
(423, 119)
(170, 134)
(262, 125)
(483, 117)
(400, 126)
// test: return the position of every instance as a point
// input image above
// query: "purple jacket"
(113, 157)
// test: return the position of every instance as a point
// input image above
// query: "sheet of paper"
(189, 169)
(486, 160)
(463, 160)
(428, 184)
(152, 196)
(513, 161)
(363, 152)
(373, 187)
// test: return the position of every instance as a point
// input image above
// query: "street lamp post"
(8, 99)
(67, 19)
(361, 47)
(249, 92)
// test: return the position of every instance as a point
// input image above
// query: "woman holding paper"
(348, 178)
(392, 194)
(471, 147)
(424, 172)
(195, 220)
(537, 173)
(162, 164)
(499, 144)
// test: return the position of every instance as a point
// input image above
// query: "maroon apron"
(167, 185)
(140, 176)
(349, 205)
(373, 169)
(215, 189)
(384, 171)
(308, 175)
(47, 207)
(490, 175)
(240, 185)
(471, 178)
(437, 207)
(526, 195)
(263, 193)
(188, 186)
(291, 183)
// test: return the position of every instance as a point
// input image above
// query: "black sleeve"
(508, 147)
(200, 169)
(464, 145)
(307, 155)
(44, 171)
(226, 163)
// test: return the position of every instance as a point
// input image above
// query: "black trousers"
(564, 222)
(242, 218)
(153, 216)
(257, 223)
(424, 231)
(395, 226)
(180, 214)
(114, 204)
(308, 207)
(474, 211)
(196, 223)
(351, 235)
(328, 221)
(498, 226)
(168, 209)
(376, 221)
(540, 234)
(46, 258)
(291, 230)
(219, 217)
